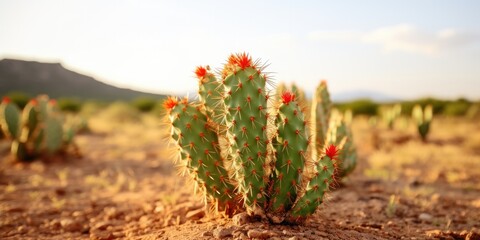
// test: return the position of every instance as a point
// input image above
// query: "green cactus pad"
(340, 135)
(200, 153)
(318, 186)
(210, 92)
(246, 101)
(291, 152)
(320, 113)
(53, 134)
(10, 119)
(30, 117)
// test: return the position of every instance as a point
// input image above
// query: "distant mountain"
(53, 79)
(355, 95)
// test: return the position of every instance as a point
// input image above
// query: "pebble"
(261, 234)
(425, 217)
(221, 232)
(70, 225)
(101, 235)
(145, 222)
(101, 225)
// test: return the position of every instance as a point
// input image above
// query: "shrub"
(144, 104)
(69, 105)
(360, 107)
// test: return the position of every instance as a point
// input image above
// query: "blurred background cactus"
(390, 114)
(423, 119)
(37, 131)
(244, 154)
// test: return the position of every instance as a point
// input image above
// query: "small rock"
(425, 217)
(77, 214)
(221, 232)
(55, 224)
(111, 212)
(239, 234)
(145, 222)
(71, 225)
(101, 225)
(294, 238)
(195, 214)
(261, 234)
(101, 235)
(206, 234)
(240, 219)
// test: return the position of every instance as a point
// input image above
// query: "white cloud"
(402, 38)
(345, 36)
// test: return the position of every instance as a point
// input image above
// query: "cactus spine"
(266, 159)
(423, 119)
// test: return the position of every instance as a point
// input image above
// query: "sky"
(404, 49)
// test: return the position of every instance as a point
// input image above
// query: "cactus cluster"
(423, 119)
(36, 131)
(248, 151)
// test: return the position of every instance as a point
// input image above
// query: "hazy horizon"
(405, 49)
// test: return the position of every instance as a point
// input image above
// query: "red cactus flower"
(170, 103)
(52, 102)
(6, 100)
(331, 151)
(201, 72)
(243, 60)
(34, 102)
(287, 97)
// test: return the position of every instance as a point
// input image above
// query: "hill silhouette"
(35, 78)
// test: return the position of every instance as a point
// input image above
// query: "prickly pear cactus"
(423, 119)
(200, 153)
(211, 93)
(340, 135)
(290, 152)
(390, 114)
(246, 103)
(320, 114)
(9, 118)
(265, 165)
(319, 185)
(36, 131)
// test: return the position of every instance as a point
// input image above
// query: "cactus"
(423, 119)
(35, 131)
(246, 103)
(265, 165)
(318, 186)
(290, 152)
(200, 150)
(390, 114)
(340, 134)
(320, 115)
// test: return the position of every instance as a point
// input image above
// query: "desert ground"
(126, 186)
